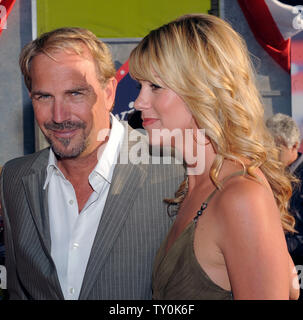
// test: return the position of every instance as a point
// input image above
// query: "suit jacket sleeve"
(13, 285)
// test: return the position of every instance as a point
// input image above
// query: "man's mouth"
(66, 129)
(64, 133)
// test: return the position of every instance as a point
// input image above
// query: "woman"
(227, 240)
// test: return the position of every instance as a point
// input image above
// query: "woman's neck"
(199, 172)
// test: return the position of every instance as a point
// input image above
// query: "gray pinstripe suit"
(133, 224)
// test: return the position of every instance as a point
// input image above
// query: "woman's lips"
(148, 121)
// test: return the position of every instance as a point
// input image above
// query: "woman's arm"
(252, 242)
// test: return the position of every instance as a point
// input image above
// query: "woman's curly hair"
(206, 62)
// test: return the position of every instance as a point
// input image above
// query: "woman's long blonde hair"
(206, 63)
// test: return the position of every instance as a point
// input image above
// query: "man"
(286, 135)
(77, 226)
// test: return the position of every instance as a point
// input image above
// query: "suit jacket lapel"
(126, 182)
(38, 203)
(37, 200)
(37, 197)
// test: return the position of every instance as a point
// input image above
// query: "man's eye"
(75, 93)
(42, 97)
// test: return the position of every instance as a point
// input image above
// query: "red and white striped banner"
(273, 23)
(5, 9)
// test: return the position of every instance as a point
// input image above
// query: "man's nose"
(61, 112)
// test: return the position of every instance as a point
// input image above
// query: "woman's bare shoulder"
(246, 204)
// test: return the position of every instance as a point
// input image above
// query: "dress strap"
(205, 203)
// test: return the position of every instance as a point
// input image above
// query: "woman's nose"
(141, 102)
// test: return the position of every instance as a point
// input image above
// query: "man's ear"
(110, 92)
(295, 146)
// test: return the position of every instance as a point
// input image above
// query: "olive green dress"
(177, 275)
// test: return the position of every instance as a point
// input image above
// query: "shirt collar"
(107, 158)
(51, 168)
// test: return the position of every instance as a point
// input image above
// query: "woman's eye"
(154, 86)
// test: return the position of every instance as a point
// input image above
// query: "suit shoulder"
(23, 165)
(299, 171)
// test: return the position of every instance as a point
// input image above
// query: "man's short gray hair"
(284, 130)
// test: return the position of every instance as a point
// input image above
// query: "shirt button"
(71, 202)
(71, 290)
(75, 245)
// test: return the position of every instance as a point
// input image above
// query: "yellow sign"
(115, 18)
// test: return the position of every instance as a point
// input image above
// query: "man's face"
(70, 104)
(288, 155)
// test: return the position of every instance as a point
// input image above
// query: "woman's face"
(164, 113)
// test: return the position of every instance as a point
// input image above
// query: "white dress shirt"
(72, 234)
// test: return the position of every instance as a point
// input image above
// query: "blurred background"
(121, 24)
